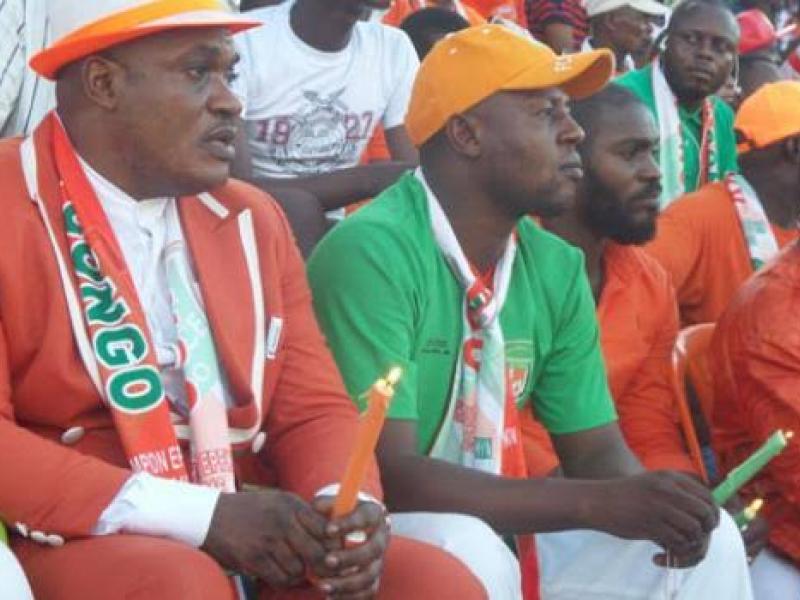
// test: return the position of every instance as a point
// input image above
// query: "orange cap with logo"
(770, 115)
(468, 66)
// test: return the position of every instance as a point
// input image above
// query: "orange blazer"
(252, 280)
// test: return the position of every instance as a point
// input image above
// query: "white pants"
(774, 577)
(472, 542)
(13, 584)
(587, 565)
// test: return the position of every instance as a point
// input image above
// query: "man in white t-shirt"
(315, 81)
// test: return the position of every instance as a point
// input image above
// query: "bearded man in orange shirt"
(616, 211)
(712, 240)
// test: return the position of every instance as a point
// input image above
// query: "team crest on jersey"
(519, 364)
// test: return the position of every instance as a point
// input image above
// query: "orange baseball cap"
(468, 66)
(770, 115)
(84, 28)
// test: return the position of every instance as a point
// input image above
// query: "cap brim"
(578, 75)
(49, 61)
(649, 7)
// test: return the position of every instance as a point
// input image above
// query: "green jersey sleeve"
(365, 305)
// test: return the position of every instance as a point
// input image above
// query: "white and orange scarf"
(123, 348)
(481, 428)
(672, 140)
(761, 243)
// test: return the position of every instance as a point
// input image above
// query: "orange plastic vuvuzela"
(369, 430)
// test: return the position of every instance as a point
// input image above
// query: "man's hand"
(756, 534)
(351, 571)
(267, 534)
(756, 537)
(671, 509)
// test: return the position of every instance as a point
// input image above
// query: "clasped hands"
(283, 541)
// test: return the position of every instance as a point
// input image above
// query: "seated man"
(616, 209)
(617, 205)
(712, 241)
(315, 81)
(623, 26)
(695, 127)
(158, 347)
(755, 361)
(402, 282)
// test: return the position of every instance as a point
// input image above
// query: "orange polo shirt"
(638, 320)
(755, 361)
(701, 245)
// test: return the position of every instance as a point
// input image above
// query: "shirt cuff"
(148, 505)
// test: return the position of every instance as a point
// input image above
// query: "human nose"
(705, 48)
(572, 133)
(650, 170)
(223, 100)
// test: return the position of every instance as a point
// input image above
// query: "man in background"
(315, 81)
(697, 143)
(713, 240)
(623, 26)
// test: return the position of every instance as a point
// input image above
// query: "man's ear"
(102, 80)
(464, 135)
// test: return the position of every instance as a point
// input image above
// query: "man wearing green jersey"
(697, 143)
(487, 314)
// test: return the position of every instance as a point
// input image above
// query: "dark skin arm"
(338, 188)
(671, 509)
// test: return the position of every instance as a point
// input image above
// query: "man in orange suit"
(158, 347)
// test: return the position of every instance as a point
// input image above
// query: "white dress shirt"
(145, 504)
(150, 505)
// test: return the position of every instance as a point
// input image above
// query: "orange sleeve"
(44, 485)
(540, 456)
(763, 364)
(647, 408)
(678, 246)
(312, 420)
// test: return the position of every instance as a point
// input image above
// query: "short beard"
(607, 217)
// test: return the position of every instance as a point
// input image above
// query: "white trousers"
(587, 565)
(472, 542)
(13, 584)
(774, 577)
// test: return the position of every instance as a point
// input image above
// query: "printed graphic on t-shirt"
(322, 136)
